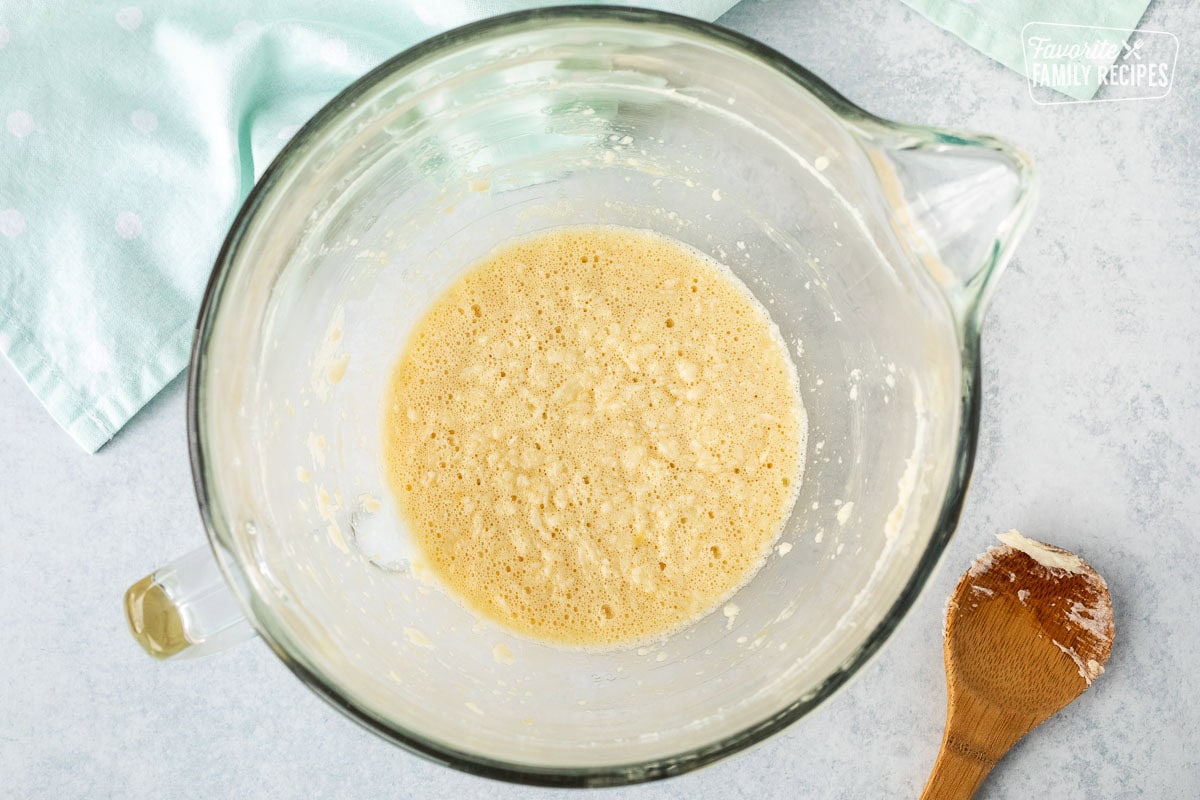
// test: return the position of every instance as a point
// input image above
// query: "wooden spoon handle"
(978, 734)
(958, 771)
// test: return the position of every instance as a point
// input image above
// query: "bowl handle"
(184, 609)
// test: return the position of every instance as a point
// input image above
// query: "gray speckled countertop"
(1090, 438)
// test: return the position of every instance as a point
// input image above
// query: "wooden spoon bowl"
(1028, 628)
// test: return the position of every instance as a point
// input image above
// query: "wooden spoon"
(1028, 628)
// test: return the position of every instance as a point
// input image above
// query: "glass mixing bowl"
(873, 246)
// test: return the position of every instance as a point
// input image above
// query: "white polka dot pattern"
(130, 18)
(144, 121)
(12, 223)
(19, 124)
(129, 225)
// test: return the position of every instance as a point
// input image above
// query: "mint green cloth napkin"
(130, 134)
(994, 27)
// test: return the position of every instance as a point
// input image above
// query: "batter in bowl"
(595, 436)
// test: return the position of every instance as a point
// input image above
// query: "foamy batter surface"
(595, 436)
